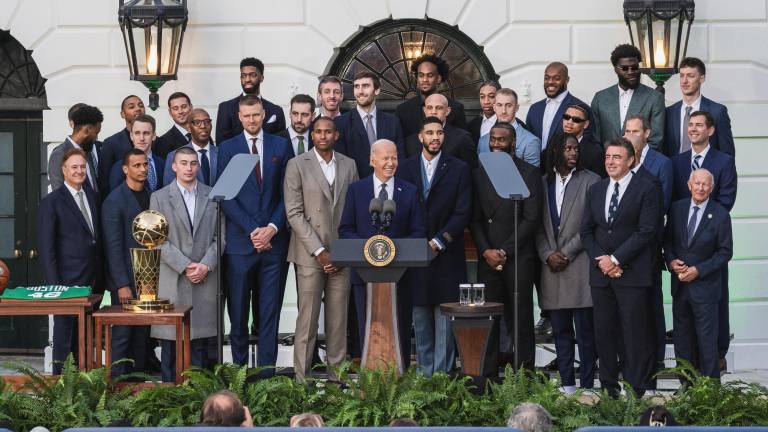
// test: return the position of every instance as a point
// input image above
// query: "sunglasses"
(574, 119)
(629, 68)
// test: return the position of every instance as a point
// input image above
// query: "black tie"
(383, 195)
(692, 225)
(189, 137)
(206, 166)
(613, 207)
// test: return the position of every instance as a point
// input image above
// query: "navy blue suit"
(228, 121)
(256, 206)
(69, 255)
(534, 120)
(722, 138)
(118, 212)
(353, 140)
(356, 224)
(112, 150)
(117, 176)
(660, 167)
(695, 303)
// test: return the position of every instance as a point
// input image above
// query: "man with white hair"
(698, 245)
(530, 417)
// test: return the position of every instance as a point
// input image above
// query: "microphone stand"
(219, 292)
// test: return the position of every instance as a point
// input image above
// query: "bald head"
(436, 105)
(223, 408)
(555, 79)
(384, 159)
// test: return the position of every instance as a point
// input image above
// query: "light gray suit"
(182, 248)
(568, 289)
(313, 208)
(606, 117)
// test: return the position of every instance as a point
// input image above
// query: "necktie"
(152, 176)
(257, 169)
(206, 166)
(81, 204)
(613, 206)
(189, 137)
(685, 141)
(91, 170)
(300, 147)
(383, 195)
(696, 164)
(369, 129)
(692, 224)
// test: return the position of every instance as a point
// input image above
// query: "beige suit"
(313, 208)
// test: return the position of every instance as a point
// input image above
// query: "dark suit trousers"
(202, 353)
(724, 327)
(659, 324)
(623, 314)
(129, 342)
(64, 341)
(404, 320)
(696, 324)
(500, 287)
(562, 330)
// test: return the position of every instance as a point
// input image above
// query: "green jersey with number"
(46, 292)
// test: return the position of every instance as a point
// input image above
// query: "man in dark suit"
(482, 124)
(457, 142)
(120, 208)
(545, 116)
(86, 125)
(429, 71)
(257, 241)
(617, 231)
(444, 184)
(408, 222)
(228, 123)
(699, 244)
(116, 145)
(299, 133)
(693, 73)
(611, 106)
(494, 234)
(330, 93)
(722, 166)
(142, 137)
(200, 126)
(360, 127)
(575, 122)
(179, 108)
(70, 244)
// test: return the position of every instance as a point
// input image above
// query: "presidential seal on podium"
(150, 229)
(379, 250)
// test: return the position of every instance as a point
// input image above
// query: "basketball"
(5, 276)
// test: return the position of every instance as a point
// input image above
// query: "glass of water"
(478, 294)
(465, 294)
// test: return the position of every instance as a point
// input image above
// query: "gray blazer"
(569, 288)
(182, 248)
(606, 118)
(313, 210)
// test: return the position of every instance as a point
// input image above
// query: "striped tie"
(696, 164)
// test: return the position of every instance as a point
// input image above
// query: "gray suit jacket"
(570, 287)
(55, 175)
(313, 210)
(182, 248)
(645, 101)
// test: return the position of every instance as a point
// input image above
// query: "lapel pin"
(709, 216)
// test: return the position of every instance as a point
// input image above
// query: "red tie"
(255, 150)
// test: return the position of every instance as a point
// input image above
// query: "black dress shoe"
(551, 366)
(543, 327)
(723, 366)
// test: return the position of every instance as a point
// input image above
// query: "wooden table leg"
(108, 347)
(98, 336)
(179, 349)
(187, 342)
(89, 341)
(81, 341)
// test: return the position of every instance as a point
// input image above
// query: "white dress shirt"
(560, 185)
(625, 97)
(328, 168)
(703, 155)
(694, 107)
(550, 109)
(430, 165)
(487, 124)
(74, 193)
(623, 183)
(363, 114)
(295, 140)
(183, 131)
(390, 187)
(643, 154)
(189, 196)
(702, 207)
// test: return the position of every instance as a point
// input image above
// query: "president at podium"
(399, 217)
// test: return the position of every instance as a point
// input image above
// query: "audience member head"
(251, 75)
(693, 73)
(366, 86)
(200, 126)
(324, 134)
(302, 111)
(487, 96)
(502, 138)
(530, 417)
(223, 408)
(251, 114)
(86, 125)
(73, 166)
(185, 165)
(431, 136)
(701, 126)
(71, 110)
(555, 79)
(700, 183)
(135, 168)
(626, 64)
(403, 422)
(330, 93)
(576, 119)
(657, 416)
(143, 132)
(619, 157)
(637, 129)
(429, 70)
(179, 108)
(436, 105)
(562, 154)
(384, 159)
(505, 105)
(306, 420)
(130, 108)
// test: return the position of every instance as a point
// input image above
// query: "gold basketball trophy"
(150, 229)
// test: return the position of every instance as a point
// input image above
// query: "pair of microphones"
(382, 212)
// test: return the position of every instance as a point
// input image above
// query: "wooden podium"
(381, 348)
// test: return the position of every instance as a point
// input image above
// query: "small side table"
(116, 315)
(476, 329)
(80, 307)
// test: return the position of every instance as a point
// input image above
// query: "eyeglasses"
(574, 119)
(629, 68)
(206, 122)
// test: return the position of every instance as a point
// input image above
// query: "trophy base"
(148, 306)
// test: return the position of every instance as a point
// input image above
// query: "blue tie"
(206, 166)
(696, 164)
(152, 176)
(692, 225)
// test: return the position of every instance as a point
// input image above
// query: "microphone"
(374, 208)
(388, 211)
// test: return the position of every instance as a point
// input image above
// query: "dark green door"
(20, 184)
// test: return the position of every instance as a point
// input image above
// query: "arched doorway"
(388, 47)
(22, 101)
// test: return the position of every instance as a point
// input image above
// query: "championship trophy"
(150, 229)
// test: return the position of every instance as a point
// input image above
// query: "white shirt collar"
(72, 190)
(74, 144)
(293, 134)
(694, 106)
(701, 206)
(259, 137)
(197, 148)
(185, 191)
(703, 152)
(623, 92)
(559, 98)
(183, 131)
(322, 161)
(623, 181)
(377, 187)
(643, 154)
(489, 119)
(363, 113)
(433, 162)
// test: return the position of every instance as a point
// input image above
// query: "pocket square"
(272, 119)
